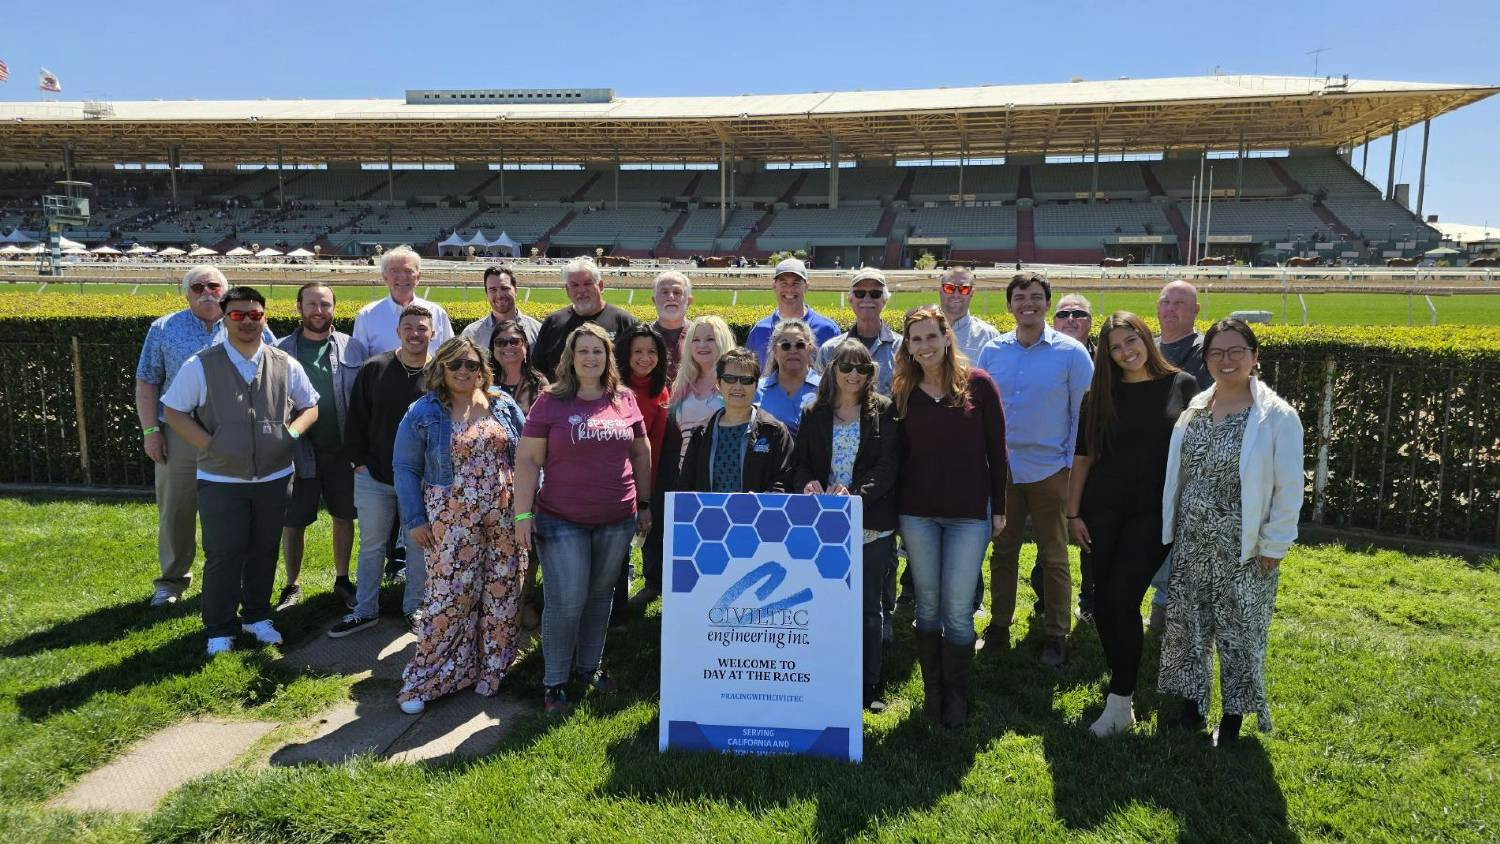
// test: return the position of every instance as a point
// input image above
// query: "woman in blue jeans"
(950, 499)
(586, 433)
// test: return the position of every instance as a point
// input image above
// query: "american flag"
(4, 72)
(48, 82)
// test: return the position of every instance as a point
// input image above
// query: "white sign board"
(761, 624)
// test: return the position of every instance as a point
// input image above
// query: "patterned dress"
(474, 577)
(1215, 600)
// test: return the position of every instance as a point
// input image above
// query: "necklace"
(409, 370)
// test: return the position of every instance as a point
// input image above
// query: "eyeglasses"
(867, 294)
(746, 380)
(861, 368)
(241, 316)
(788, 345)
(465, 364)
(507, 342)
(200, 286)
(1234, 354)
(1072, 313)
(950, 288)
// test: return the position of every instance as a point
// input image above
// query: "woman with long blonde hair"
(695, 391)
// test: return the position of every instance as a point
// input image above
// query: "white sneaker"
(164, 597)
(220, 644)
(1118, 716)
(263, 631)
(413, 706)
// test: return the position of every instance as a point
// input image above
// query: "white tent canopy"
(299, 253)
(504, 242)
(238, 252)
(172, 252)
(203, 252)
(142, 249)
(268, 252)
(453, 240)
(106, 250)
(67, 244)
(478, 240)
(10, 249)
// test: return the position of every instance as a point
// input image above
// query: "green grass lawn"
(1322, 308)
(1382, 676)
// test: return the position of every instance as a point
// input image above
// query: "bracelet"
(293, 433)
(1074, 516)
(154, 429)
(521, 517)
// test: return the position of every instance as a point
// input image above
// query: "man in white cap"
(790, 285)
(868, 296)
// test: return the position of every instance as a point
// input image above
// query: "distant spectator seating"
(986, 227)
(1176, 176)
(438, 184)
(626, 228)
(1068, 181)
(1266, 219)
(392, 225)
(537, 185)
(1327, 173)
(1100, 219)
(835, 225)
(642, 186)
(333, 185)
(523, 224)
(986, 182)
(1372, 218)
(759, 186)
(701, 232)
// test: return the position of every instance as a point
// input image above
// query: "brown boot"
(930, 657)
(958, 660)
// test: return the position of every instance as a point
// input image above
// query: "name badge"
(762, 446)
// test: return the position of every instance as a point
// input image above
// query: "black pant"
(1127, 551)
(877, 556)
(241, 542)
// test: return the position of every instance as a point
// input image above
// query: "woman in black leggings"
(1114, 494)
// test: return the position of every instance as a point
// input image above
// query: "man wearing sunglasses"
(243, 404)
(790, 285)
(1075, 317)
(170, 341)
(955, 292)
(868, 296)
(331, 360)
(500, 288)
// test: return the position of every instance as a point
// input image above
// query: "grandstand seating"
(1327, 173)
(986, 227)
(869, 183)
(823, 226)
(1176, 176)
(653, 186)
(334, 185)
(626, 228)
(988, 182)
(391, 225)
(523, 225)
(437, 184)
(1265, 219)
(1373, 218)
(759, 186)
(1100, 219)
(1067, 181)
(538, 185)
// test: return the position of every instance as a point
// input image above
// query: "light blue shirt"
(884, 355)
(770, 398)
(1041, 389)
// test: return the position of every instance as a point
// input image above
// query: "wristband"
(521, 517)
(154, 429)
(293, 433)
(1074, 516)
(643, 505)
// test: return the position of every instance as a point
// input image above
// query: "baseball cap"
(793, 266)
(867, 274)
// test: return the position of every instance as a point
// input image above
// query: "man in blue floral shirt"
(171, 340)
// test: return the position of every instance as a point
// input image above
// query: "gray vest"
(246, 422)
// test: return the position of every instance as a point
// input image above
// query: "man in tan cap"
(868, 296)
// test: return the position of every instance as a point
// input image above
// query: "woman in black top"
(1115, 490)
(847, 445)
(741, 448)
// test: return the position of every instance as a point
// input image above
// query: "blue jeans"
(375, 503)
(580, 564)
(945, 556)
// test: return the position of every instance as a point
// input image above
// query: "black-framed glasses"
(865, 293)
(746, 380)
(862, 368)
(466, 364)
(950, 288)
(241, 316)
(507, 342)
(200, 286)
(788, 345)
(1072, 313)
(1236, 353)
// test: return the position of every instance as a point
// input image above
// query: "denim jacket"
(345, 358)
(423, 457)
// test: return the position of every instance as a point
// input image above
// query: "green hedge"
(1413, 445)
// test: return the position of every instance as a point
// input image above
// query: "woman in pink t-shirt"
(586, 437)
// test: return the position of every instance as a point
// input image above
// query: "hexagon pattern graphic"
(713, 527)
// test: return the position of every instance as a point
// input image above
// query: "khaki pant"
(1045, 501)
(177, 513)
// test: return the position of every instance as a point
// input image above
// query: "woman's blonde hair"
(566, 386)
(688, 370)
(454, 349)
(908, 375)
(778, 332)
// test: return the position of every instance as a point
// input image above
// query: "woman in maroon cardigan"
(950, 500)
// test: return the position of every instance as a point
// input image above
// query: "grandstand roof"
(1133, 115)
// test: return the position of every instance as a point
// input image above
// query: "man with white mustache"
(170, 341)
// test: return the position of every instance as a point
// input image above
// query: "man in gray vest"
(243, 405)
(331, 360)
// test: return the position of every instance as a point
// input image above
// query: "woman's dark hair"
(657, 380)
(737, 356)
(1098, 434)
(531, 381)
(849, 351)
(1236, 325)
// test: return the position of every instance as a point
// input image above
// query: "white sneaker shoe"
(263, 631)
(164, 597)
(413, 706)
(220, 644)
(1118, 716)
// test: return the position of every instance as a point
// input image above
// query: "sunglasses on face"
(861, 368)
(867, 294)
(788, 345)
(746, 380)
(241, 316)
(1234, 354)
(199, 286)
(1072, 314)
(466, 364)
(507, 342)
(950, 288)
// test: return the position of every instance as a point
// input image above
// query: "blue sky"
(280, 49)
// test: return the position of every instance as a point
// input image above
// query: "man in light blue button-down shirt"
(1042, 376)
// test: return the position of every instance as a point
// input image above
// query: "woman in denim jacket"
(454, 458)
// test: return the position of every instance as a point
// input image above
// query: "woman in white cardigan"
(1230, 505)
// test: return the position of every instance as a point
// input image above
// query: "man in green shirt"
(331, 359)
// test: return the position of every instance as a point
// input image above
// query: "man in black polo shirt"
(585, 287)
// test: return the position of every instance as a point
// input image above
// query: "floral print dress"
(1215, 600)
(475, 574)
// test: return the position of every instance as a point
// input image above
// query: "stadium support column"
(723, 206)
(280, 181)
(68, 163)
(1239, 170)
(390, 173)
(1422, 173)
(1390, 173)
(1094, 183)
(731, 176)
(617, 180)
(833, 174)
(1365, 167)
(174, 158)
(502, 175)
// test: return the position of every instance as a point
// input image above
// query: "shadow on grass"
(102, 625)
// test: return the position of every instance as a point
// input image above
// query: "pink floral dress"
(474, 577)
